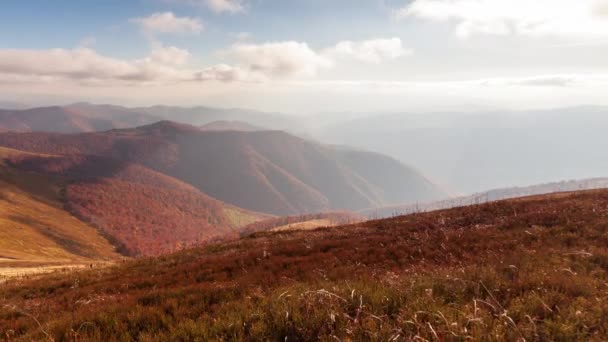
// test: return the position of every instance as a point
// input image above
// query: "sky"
(307, 56)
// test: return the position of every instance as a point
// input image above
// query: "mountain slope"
(224, 125)
(35, 227)
(531, 269)
(198, 116)
(142, 211)
(268, 171)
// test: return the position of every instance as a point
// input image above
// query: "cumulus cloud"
(86, 66)
(230, 6)
(297, 59)
(524, 17)
(223, 73)
(370, 51)
(170, 55)
(280, 59)
(167, 22)
(217, 6)
(168, 64)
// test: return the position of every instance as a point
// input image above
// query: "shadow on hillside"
(78, 168)
(65, 242)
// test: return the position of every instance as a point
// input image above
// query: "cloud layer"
(573, 18)
(168, 64)
(280, 59)
(87, 67)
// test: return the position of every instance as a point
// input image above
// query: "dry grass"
(306, 225)
(34, 226)
(533, 269)
(12, 272)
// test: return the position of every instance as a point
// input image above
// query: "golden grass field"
(34, 227)
(306, 225)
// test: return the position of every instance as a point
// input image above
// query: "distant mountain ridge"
(490, 196)
(267, 171)
(224, 125)
(72, 119)
(473, 152)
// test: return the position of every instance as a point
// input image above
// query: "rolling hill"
(266, 171)
(88, 117)
(141, 211)
(34, 226)
(303, 222)
(72, 119)
(531, 269)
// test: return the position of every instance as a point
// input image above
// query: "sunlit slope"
(34, 227)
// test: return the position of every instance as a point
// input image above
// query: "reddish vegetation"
(268, 171)
(142, 211)
(529, 269)
(147, 220)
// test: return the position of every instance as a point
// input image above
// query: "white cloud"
(230, 6)
(572, 18)
(170, 55)
(280, 59)
(296, 59)
(370, 51)
(167, 22)
(217, 6)
(85, 66)
(169, 64)
(224, 73)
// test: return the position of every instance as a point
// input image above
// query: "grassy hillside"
(533, 269)
(35, 228)
(142, 211)
(269, 171)
(303, 222)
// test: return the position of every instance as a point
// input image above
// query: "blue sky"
(307, 55)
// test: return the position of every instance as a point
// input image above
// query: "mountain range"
(266, 171)
(468, 153)
(136, 210)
